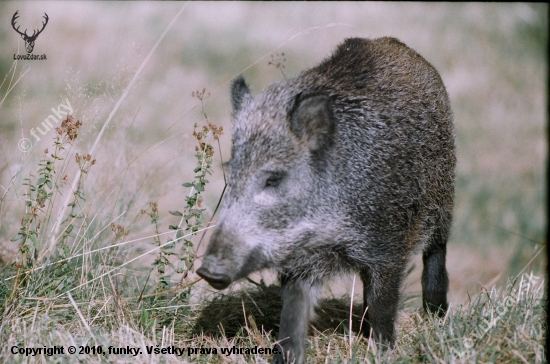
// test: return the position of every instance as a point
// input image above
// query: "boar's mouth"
(211, 269)
(217, 280)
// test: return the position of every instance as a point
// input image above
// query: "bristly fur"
(349, 166)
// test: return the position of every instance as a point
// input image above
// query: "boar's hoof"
(216, 280)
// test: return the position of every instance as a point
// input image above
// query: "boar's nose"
(216, 280)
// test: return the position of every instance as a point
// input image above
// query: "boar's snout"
(228, 258)
(217, 280)
(218, 265)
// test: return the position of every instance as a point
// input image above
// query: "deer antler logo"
(29, 40)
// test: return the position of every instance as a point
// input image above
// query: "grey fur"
(348, 167)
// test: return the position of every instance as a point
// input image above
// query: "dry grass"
(503, 325)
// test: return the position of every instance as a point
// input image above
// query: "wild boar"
(347, 167)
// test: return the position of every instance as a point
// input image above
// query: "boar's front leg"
(298, 301)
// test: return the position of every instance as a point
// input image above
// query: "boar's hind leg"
(435, 282)
(298, 300)
(380, 299)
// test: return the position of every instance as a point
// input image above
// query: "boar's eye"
(274, 179)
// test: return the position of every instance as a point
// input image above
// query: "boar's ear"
(312, 120)
(239, 91)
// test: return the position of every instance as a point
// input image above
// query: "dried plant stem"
(57, 225)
